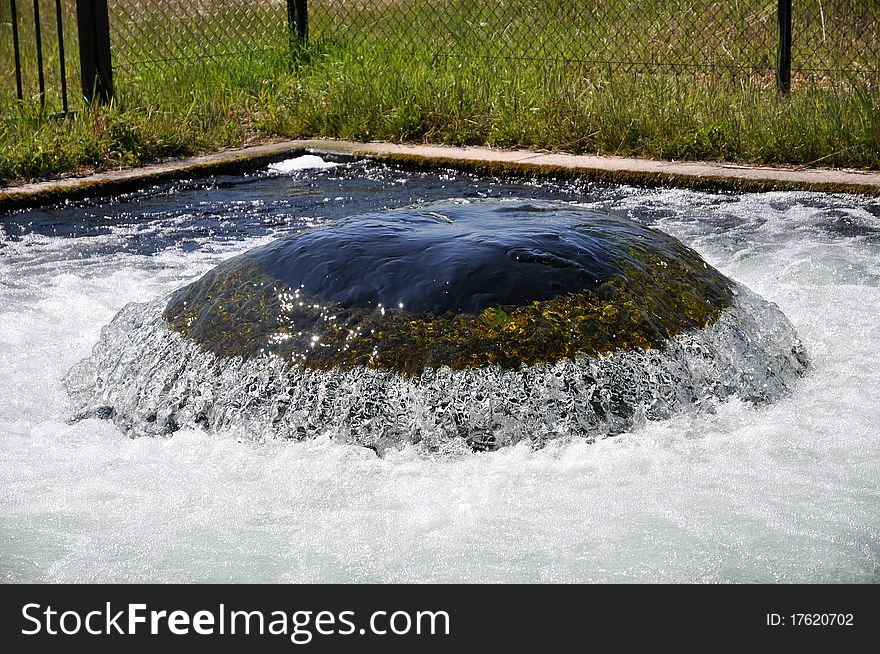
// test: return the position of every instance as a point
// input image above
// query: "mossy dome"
(461, 324)
(463, 284)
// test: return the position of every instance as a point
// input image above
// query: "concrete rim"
(481, 160)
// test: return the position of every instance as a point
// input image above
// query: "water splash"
(304, 162)
(152, 381)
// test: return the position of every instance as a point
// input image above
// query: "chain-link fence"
(717, 36)
(832, 40)
(611, 34)
(836, 37)
(158, 32)
(830, 37)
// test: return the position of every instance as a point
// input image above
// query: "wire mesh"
(716, 36)
(155, 32)
(831, 37)
(836, 38)
(614, 34)
(833, 40)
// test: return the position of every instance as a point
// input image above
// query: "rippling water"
(787, 492)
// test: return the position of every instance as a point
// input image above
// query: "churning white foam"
(787, 492)
(152, 382)
(304, 162)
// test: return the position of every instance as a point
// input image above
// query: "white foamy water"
(304, 162)
(787, 492)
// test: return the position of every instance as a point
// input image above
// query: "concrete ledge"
(121, 181)
(488, 161)
(625, 170)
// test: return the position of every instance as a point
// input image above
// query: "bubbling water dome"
(461, 324)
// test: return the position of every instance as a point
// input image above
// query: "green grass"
(476, 101)
(369, 80)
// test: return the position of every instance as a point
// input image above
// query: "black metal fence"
(47, 43)
(38, 51)
(56, 52)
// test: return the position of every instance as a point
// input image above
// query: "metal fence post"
(38, 39)
(783, 47)
(298, 20)
(15, 48)
(60, 27)
(93, 23)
